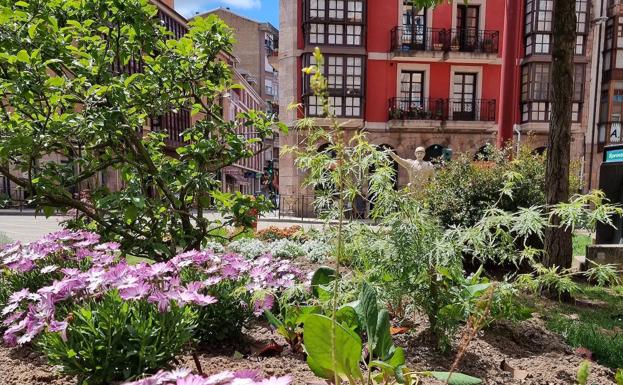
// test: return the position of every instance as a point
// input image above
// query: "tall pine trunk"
(558, 246)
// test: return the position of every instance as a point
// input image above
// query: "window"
(412, 87)
(464, 96)
(345, 76)
(334, 22)
(535, 88)
(538, 26)
(269, 87)
(316, 33)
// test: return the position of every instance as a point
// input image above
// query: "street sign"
(614, 155)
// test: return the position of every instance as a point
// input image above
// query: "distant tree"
(66, 96)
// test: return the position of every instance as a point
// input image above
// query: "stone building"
(451, 79)
(257, 47)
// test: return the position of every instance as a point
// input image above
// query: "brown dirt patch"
(524, 346)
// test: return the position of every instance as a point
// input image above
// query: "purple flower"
(135, 292)
(191, 380)
(49, 269)
(286, 380)
(220, 378)
(183, 377)
(18, 296)
(59, 327)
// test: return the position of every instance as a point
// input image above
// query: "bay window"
(334, 22)
(344, 76)
(538, 26)
(535, 89)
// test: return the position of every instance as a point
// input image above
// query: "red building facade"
(451, 79)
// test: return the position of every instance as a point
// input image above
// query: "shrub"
(248, 247)
(5, 201)
(243, 287)
(316, 250)
(162, 207)
(215, 247)
(364, 246)
(4, 239)
(462, 191)
(111, 339)
(285, 248)
(184, 377)
(274, 233)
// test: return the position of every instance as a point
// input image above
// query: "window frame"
(535, 93)
(344, 94)
(538, 16)
(348, 26)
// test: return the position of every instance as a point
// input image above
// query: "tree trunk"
(558, 248)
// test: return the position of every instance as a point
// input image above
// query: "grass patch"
(597, 328)
(222, 235)
(132, 260)
(4, 239)
(580, 241)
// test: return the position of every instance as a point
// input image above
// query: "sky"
(259, 10)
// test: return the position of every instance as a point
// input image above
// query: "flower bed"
(105, 320)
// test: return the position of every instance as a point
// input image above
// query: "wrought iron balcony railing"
(482, 110)
(419, 38)
(418, 109)
(442, 109)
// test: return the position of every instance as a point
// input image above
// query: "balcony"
(609, 133)
(482, 110)
(406, 41)
(418, 109)
(173, 124)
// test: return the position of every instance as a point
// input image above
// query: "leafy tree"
(67, 94)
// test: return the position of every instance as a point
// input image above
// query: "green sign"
(614, 155)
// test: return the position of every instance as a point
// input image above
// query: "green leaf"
(477, 288)
(130, 214)
(383, 337)
(619, 377)
(318, 370)
(272, 319)
(456, 378)
(318, 345)
(398, 358)
(583, 372)
(23, 56)
(347, 316)
(306, 312)
(322, 276)
(71, 353)
(368, 313)
(48, 211)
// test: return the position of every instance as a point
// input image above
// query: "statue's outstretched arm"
(399, 160)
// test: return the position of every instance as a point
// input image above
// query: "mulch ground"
(527, 347)
(536, 355)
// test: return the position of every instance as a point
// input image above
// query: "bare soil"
(525, 346)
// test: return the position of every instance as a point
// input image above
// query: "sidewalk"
(25, 226)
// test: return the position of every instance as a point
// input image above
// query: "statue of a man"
(419, 170)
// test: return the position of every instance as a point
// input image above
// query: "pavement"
(28, 228)
(25, 226)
